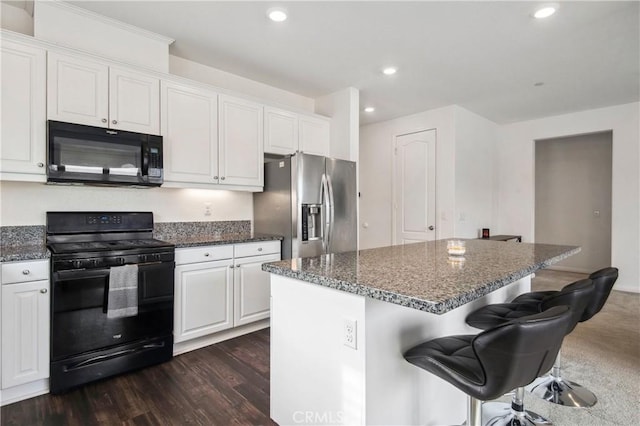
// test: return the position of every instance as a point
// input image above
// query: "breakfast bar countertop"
(422, 275)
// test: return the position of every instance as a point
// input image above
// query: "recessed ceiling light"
(277, 14)
(545, 11)
(369, 109)
(390, 70)
(538, 84)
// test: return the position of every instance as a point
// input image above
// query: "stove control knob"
(156, 257)
(142, 258)
(120, 261)
(76, 264)
(95, 263)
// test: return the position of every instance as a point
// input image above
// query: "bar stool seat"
(497, 360)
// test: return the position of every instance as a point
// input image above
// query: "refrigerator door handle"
(331, 214)
(324, 200)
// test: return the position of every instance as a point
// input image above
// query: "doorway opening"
(573, 197)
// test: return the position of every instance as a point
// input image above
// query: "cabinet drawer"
(203, 254)
(256, 249)
(19, 272)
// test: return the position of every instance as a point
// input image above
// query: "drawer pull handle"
(26, 272)
(206, 255)
(43, 290)
(259, 248)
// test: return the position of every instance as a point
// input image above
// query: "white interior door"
(415, 187)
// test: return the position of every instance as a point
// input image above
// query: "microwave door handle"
(145, 159)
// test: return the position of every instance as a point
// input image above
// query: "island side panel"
(400, 393)
(315, 378)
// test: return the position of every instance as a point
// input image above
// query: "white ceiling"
(483, 56)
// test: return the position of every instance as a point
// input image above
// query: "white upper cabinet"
(314, 135)
(190, 133)
(23, 119)
(280, 131)
(85, 91)
(134, 101)
(286, 132)
(241, 132)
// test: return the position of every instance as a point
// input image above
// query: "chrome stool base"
(562, 392)
(502, 414)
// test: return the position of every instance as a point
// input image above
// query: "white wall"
(16, 19)
(205, 74)
(25, 203)
(475, 144)
(343, 107)
(517, 192)
(465, 173)
(376, 173)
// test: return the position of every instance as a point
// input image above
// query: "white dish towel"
(122, 300)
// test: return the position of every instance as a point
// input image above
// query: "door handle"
(431, 228)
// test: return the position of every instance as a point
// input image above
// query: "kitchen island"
(341, 322)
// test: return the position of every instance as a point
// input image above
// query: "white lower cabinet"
(219, 288)
(25, 329)
(251, 289)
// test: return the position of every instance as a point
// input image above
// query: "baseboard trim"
(570, 269)
(22, 392)
(201, 342)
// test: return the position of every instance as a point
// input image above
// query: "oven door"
(79, 320)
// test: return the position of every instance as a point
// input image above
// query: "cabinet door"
(190, 133)
(25, 332)
(24, 136)
(203, 299)
(280, 131)
(252, 289)
(241, 142)
(134, 101)
(314, 135)
(77, 90)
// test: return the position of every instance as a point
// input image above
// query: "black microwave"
(95, 155)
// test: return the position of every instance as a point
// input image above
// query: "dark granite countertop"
(421, 276)
(24, 252)
(211, 240)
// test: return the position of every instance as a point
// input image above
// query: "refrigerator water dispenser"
(311, 222)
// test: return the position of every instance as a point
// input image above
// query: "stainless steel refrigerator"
(310, 201)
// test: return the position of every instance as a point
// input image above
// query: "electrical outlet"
(207, 209)
(350, 335)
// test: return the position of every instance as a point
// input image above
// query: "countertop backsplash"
(177, 230)
(12, 236)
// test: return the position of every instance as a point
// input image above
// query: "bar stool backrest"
(603, 281)
(515, 353)
(576, 295)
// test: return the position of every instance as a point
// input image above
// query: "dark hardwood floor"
(222, 384)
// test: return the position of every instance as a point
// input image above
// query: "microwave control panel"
(155, 168)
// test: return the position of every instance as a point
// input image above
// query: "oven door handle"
(101, 358)
(81, 273)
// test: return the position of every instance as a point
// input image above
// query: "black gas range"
(97, 259)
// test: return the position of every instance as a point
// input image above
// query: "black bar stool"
(575, 295)
(493, 362)
(553, 387)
